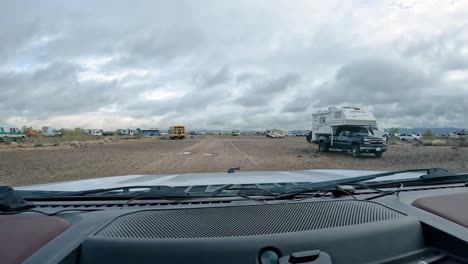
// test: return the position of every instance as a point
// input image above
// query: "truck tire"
(309, 137)
(355, 151)
(378, 154)
(323, 147)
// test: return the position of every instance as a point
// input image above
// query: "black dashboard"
(403, 228)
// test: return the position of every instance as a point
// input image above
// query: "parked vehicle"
(177, 132)
(346, 129)
(50, 132)
(108, 133)
(11, 133)
(31, 133)
(150, 131)
(235, 133)
(406, 137)
(276, 133)
(94, 132)
(459, 134)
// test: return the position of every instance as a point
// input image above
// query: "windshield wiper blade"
(157, 190)
(242, 190)
(428, 173)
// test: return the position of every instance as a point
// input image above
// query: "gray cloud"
(263, 91)
(231, 64)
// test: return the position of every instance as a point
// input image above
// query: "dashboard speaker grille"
(233, 221)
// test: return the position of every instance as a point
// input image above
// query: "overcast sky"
(231, 64)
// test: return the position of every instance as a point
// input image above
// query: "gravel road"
(24, 166)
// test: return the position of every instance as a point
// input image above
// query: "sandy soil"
(27, 165)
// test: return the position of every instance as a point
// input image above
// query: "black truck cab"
(356, 139)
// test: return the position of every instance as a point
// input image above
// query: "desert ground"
(25, 165)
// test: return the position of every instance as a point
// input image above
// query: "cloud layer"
(232, 64)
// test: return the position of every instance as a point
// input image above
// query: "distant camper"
(50, 132)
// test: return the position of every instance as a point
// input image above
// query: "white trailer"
(276, 133)
(324, 123)
(50, 132)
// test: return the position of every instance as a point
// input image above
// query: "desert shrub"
(38, 143)
(392, 141)
(438, 142)
(428, 134)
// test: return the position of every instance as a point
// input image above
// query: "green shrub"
(392, 140)
(428, 134)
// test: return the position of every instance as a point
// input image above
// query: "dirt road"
(23, 166)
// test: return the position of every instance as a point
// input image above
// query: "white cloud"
(232, 64)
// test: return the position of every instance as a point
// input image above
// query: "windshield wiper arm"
(230, 187)
(158, 190)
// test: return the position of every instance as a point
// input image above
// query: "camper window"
(322, 119)
(337, 115)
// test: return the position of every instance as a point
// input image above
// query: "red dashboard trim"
(22, 235)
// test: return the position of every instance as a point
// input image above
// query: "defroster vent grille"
(234, 221)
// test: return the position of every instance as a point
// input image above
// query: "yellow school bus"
(177, 132)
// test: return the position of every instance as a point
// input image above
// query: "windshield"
(359, 131)
(191, 96)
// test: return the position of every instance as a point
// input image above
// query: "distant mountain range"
(421, 130)
(435, 130)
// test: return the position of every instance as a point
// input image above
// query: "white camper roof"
(353, 116)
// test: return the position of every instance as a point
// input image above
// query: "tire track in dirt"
(250, 159)
(191, 158)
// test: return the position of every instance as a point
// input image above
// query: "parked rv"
(346, 128)
(11, 133)
(235, 133)
(276, 133)
(177, 132)
(50, 132)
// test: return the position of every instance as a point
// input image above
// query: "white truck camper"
(50, 132)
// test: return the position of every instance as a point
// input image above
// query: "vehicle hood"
(213, 178)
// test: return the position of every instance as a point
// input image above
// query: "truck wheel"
(403, 139)
(309, 137)
(356, 151)
(378, 154)
(323, 147)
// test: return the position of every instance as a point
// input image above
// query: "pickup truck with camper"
(346, 128)
(50, 132)
(10, 133)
